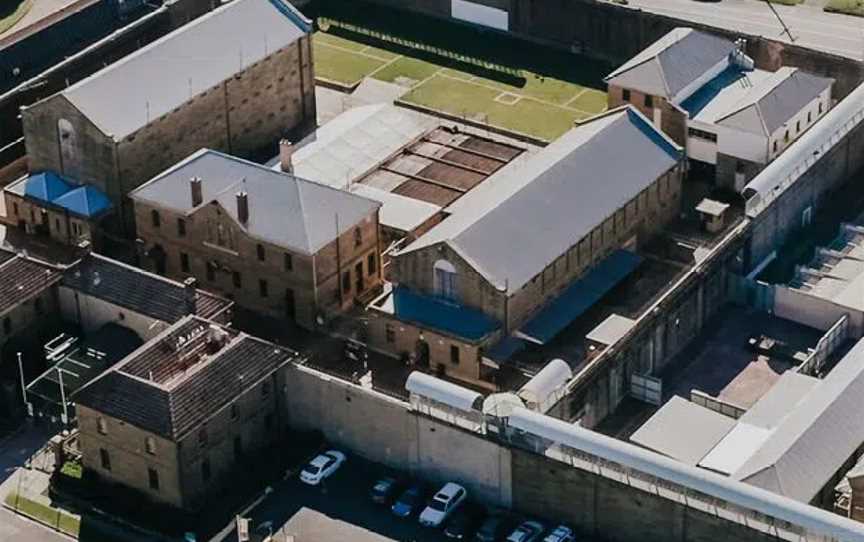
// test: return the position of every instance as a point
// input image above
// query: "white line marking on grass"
(353, 52)
(508, 98)
(576, 97)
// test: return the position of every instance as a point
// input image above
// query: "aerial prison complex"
(619, 329)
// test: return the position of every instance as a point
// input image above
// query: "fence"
(712, 403)
(836, 335)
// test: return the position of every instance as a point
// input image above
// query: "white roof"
(158, 78)
(442, 391)
(611, 329)
(783, 397)
(683, 430)
(550, 378)
(816, 521)
(735, 448)
(712, 207)
(397, 212)
(724, 93)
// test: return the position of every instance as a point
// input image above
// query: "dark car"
(493, 528)
(384, 490)
(463, 522)
(408, 502)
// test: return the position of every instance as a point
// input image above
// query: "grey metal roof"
(575, 184)
(816, 438)
(774, 101)
(683, 430)
(284, 210)
(672, 63)
(156, 79)
(781, 399)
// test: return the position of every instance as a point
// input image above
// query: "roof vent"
(286, 153)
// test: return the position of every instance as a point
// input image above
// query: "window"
(235, 411)
(102, 426)
(262, 255)
(237, 279)
(288, 262)
(150, 445)
(153, 479)
(445, 280)
(702, 134)
(358, 237)
(105, 458)
(184, 262)
(346, 281)
(262, 287)
(181, 227)
(798, 127)
(625, 95)
(205, 470)
(649, 100)
(372, 264)
(202, 437)
(454, 354)
(389, 333)
(155, 219)
(775, 146)
(786, 137)
(211, 272)
(57, 224)
(809, 117)
(820, 108)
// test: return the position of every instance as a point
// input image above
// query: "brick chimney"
(243, 207)
(190, 291)
(286, 151)
(197, 194)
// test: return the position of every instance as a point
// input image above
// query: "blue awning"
(441, 315)
(86, 201)
(580, 296)
(46, 186)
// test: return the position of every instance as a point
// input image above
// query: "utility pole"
(23, 384)
(782, 22)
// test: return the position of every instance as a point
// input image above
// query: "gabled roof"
(672, 63)
(772, 103)
(815, 439)
(22, 279)
(87, 201)
(139, 291)
(158, 78)
(46, 186)
(283, 209)
(574, 184)
(194, 377)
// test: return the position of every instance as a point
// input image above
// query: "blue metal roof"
(86, 201)
(580, 296)
(702, 97)
(441, 315)
(46, 186)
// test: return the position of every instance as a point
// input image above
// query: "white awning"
(555, 374)
(442, 391)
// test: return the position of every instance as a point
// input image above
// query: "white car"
(527, 531)
(560, 533)
(321, 467)
(443, 504)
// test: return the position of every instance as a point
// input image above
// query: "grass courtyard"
(496, 86)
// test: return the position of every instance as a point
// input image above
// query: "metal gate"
(646, 388)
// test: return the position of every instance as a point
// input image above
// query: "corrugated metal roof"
(773, 102)
(283, 209)
(158, 78)
(816, 438)
(442, 391)
(672, 63)
(683, 430)
(559, 201)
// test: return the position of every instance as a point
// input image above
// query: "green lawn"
(12, 12)
(405, 68)
(52, 517)
(343, 66)
(849, 7)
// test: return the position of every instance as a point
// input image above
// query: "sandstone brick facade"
(673, 120)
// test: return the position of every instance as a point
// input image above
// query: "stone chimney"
(243, 207)
(286, 151)
(197, 194)
(190, 291)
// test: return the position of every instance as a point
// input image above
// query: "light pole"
(23, 384)
(62, 397)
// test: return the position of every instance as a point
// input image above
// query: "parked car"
(323, 466)
(408, 502)
(444, 503)
(527, 531)
(384, 490)
(561, 533)
(493, 528)
(463, 522)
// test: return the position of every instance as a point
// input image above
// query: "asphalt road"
(810, 26)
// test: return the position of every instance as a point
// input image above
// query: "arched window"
(69, 155)
(445, 280)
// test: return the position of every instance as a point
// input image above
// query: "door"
(358, 277)
(422, 353)
(289, 304)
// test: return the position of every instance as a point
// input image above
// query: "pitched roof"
(176, 382)
(46, 186)
(672, 63)
(816, 438)
(284, 210)
(772, 103)
(124, 96)
(512, 240)
(22, 279)
(87, 201)
(139, 291)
